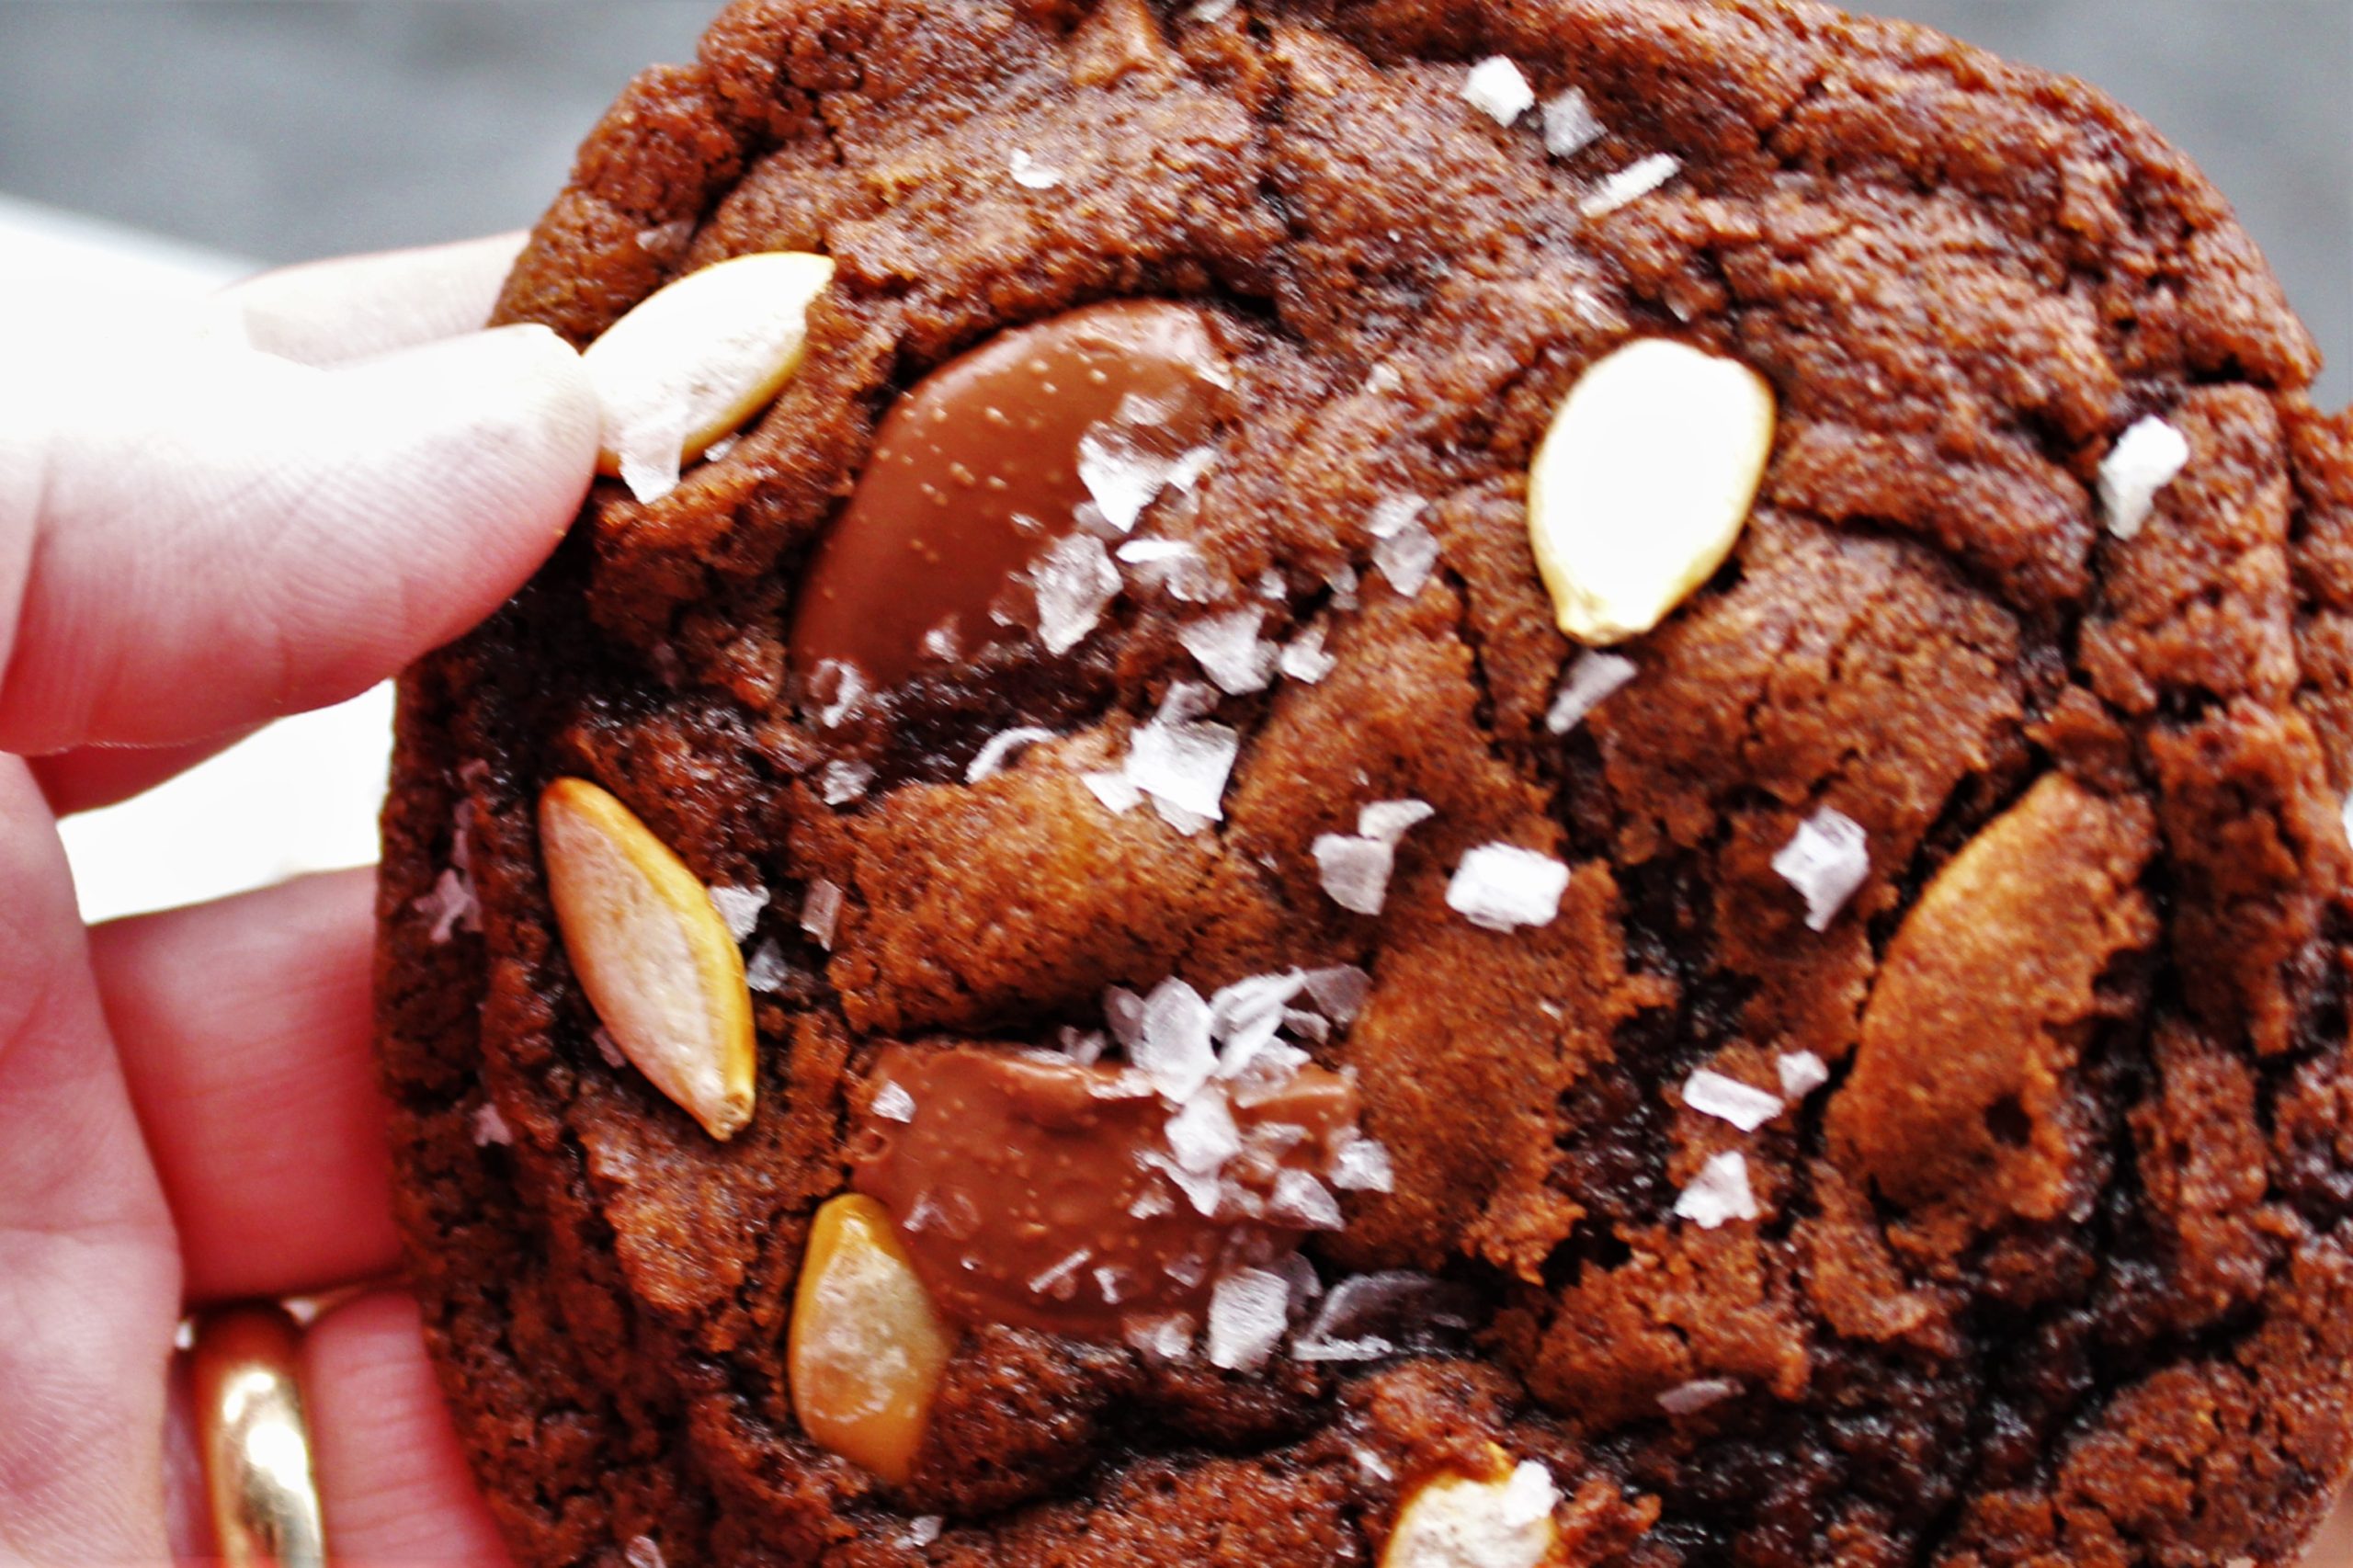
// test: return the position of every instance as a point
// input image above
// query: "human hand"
(196, 537)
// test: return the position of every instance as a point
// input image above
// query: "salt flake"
(843, 780)
(490, 1127)
(1407, 558)
(641, 1552)
(1173, 1048)
(1635, 180)
(924, 1529)
(1230, 651)
(1354, 871)
(1363, 1165)
(1719, 1193)
(1203, 1135)
(1500, 887)
(1299, 1199)
(1496, 88)
(451, 905)
(1075, 582)
(1249, 1310)
(1826, 860)
(1030, 173)
(1802, 1072)
(2145, 459)
(766, 968)
(1729, 1099)
(992, 758)
(1389, 820)
(1689, 1399)
(740, 908)
(1119, 796)
(1339, 991)
(820, 911)
(1589, 683)
(892, 1103)
(1570, 126)
(1181, 761)
(1304, 659)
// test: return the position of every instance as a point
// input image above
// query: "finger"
(233, 537)
(393, 1479)
(88, 1280)
(88, 778)
(243, 1030)
(324, 313)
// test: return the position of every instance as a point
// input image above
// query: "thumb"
(235, 536)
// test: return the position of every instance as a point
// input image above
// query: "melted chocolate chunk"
(979, 470)
(1048, 1195)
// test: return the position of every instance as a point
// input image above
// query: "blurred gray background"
(284, 130)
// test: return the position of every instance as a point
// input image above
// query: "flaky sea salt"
(1030, 173)
(1174, 566)
(1370, 1315)
(1729, 1099)
(650, 443)
(1303, 658)
(1061, 1281)
(1299, 1199)
(991, 758)
(1637, 180)
(1500, 887)
(1719, 1193)
(1389, 820)
(1382, 379)
(1119, 796)
(924, 1529)
(451, 905)
(1496, 87)
(1182, 760)
(1339, 991)
(1570, 126)
(1802, 1072)
(641, 1552)
(1407, 558)
(842, 780)
(766, 970)
(1354, 871)
(1165, 1337)
(1076, 581)
(2145, 459)
(1363, 1165)
(1249, 1310)
(740, 908)
(820, 911)
(1230, 651)
(839, 689)
(1826, 860)
(1689, 1399)
(1173, 1044)
(1203, 1135)
(1394, 514)
(892, 1103)
(1124, 476)
(490, 1127)
(1123, 1013)
(1590, 681)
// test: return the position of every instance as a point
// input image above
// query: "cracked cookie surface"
(2041, 1256)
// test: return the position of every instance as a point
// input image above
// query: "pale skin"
(196, 537)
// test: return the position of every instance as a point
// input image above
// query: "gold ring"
(243, 1367)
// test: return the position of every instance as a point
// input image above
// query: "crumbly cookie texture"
(1857, 1071)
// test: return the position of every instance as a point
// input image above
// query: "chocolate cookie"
(1431, 782)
